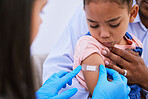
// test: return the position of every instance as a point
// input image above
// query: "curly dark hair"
(122, 3)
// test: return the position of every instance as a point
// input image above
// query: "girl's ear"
(133, 13)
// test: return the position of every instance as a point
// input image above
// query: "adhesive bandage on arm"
(90, 68)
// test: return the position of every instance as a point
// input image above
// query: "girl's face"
(36, 19)
(107, 22)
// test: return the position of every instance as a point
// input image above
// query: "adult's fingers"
(115, 75)
(70, 82)
(132, 52)
(66, 94)
(102, 73)
(53, 75)
(63, 73)
(128, 89)
(115, 67)
(69, 77)
(51, 78)
(122, 53)
(60, 74)
(124, 79)
(115, 58)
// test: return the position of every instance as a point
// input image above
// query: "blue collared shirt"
(141, 32)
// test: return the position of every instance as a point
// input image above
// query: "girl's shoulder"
(136, 41)
(88, 42)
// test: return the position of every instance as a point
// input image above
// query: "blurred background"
(56, 15)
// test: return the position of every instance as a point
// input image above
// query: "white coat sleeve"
(62, 55)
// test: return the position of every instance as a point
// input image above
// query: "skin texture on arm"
(91, 78)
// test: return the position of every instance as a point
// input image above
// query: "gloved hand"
(116, 89)
(52, 86)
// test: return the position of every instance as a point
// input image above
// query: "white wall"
(57, 14)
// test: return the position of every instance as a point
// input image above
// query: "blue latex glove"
(52, 86)
(116, 89)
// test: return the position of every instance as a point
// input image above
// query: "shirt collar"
(138, 20)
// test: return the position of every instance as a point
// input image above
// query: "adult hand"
(116, 89)
(52, 86)
(137, 71)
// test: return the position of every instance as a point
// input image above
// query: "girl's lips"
(108, 44)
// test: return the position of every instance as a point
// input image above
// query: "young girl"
(107, 22)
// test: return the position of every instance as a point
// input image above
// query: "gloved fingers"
(128, 97)
(69, 77)
(41, 95)
(70, 82)
(124, 79)
(64, 86)
(66, 94)
(115, 75)
(128, 89)
(53, 75)
(102, 73)
(61, 73)
(51, 78)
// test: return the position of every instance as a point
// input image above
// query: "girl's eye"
(114, 25)
(96, 26)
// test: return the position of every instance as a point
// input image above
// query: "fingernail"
(106, 63)
(104, 52)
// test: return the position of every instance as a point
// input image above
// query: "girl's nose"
(104, 33)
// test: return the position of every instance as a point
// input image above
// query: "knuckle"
(136, 60)
(110, 66)
(109, 55)
(118, 60)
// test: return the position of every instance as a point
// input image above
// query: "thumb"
(66, 94)
(116, 76)
(102, 73)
